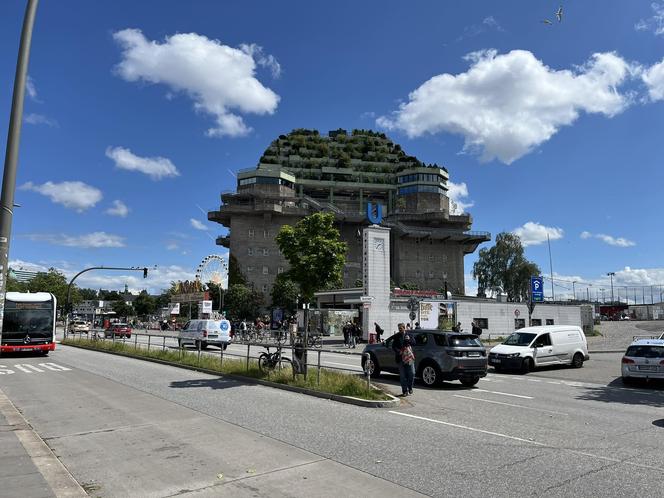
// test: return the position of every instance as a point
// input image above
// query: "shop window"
(482, 323)
(519, 323)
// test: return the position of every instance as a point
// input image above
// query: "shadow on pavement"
(393, 381)
(658, 423)
(210, 383)
(638, 393)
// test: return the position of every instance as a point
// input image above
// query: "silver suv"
(439, 356)
(644, 359)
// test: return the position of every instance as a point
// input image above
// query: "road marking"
(503, 394)
(509, 404)
(29, 368)
(473, 429)
(532, 442)
(325, 362)
(533, 380)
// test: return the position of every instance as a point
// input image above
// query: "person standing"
(379, 331)
(346, 331)
(477, 330)
(402, 345)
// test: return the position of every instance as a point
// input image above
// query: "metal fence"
(251, 355)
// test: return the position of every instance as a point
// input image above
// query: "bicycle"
(267, 362)
(315, 341)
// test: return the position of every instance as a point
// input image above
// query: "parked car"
(206, 332)
(439, 356)
(79, 326)
(118, 329)
(644, 359)
(532, 347)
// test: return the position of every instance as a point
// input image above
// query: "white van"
(539, 346)
(215, 332)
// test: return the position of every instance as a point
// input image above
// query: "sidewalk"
(28, 468)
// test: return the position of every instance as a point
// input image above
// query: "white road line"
(533, 380)
(503, 394)
(532, 442)
(473, 429)
(348, 365)
(509, 404)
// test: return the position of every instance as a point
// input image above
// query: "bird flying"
(546, 21)
(559, 13)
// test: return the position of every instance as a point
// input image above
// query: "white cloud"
(608, 239)
(506, 105)
(18, 264)
(653, 77)
(218, 78)
(654, 23)
(262, 59)
(533, 233)
(39, 119)
(75, 195)
(457, 193)
(155, 167)
(172, 246)
(86, 241)
(119, 209)
(31, 89)
(197, 224)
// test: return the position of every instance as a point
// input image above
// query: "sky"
(138, 115)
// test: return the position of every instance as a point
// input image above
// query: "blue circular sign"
(224, 326)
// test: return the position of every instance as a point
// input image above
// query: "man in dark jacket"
(402, 345)
(379, 331)
(477, 330)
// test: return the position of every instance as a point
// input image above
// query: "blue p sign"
(537, 289)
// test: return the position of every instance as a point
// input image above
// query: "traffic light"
(145, 273)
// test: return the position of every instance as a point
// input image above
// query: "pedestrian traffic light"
(145, 273)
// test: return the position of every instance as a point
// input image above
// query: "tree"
(505, 268)
(144, 304)
(88, 294)
(14, 285)
(243, 302)
(235, 275)
(122, 309)
(285, 293)
(54, 282)
(315, 252)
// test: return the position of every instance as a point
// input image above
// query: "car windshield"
(519, 339)
(464, 341)
(645, 351)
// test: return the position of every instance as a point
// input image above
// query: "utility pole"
(603, 300)
(611, 274)
(574, 289)
(588, 293)
(553, 294)
(11, 154)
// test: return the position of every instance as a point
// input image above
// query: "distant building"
(22, 275)
(303, 172)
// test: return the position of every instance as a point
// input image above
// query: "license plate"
(473, 355)
(649, 368)
(495, 360)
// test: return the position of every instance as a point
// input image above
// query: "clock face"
(379, 244)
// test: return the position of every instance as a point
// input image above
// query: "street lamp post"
(611, 274)
(11, 155)
(574, 289)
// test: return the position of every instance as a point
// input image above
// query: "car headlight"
(514, 355)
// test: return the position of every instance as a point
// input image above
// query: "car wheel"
(430, 374)
(470, 381)
(627, 381)
(371, 365)
(577, 360)
(527, 365)
(204, 345)
(497, 369)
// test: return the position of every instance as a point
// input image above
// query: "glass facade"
(421, 177)
(412, 189)
(264, 180)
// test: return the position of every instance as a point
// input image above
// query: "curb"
(600, 351)
(393, 402)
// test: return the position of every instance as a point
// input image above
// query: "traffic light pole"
(68, 301)
(11, 155)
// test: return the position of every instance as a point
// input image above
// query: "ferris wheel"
(213, 269)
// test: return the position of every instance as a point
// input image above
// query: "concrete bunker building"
(304, 172)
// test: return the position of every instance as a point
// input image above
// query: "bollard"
(149, 343)
(248, 346)
(221, 356)
(366, 369)
(318, 373)
(135, 342)
(199, 352)
(163, 346)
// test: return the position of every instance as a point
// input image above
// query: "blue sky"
(152, 105)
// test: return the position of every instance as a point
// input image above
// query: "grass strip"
(331, 382)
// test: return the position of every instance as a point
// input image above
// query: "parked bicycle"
(267, 362)
(315, 341)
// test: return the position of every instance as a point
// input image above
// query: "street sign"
(412, 315)
(366, 299)
(537, 289)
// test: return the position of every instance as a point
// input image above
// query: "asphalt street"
(125, 427)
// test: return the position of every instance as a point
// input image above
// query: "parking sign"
(537, 289)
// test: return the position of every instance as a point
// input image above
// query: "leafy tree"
(54, 282)
(14, 285)
(87, 294)
(105, 295)
(505, 268)
(243, 302)
(315, 252)
(144, 304)
(285, 293)
(122, 309)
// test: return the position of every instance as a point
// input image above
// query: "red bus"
(29, 322)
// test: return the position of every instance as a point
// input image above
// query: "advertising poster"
(446, 315)
(429, 314)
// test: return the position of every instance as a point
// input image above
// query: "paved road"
(129, 427)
